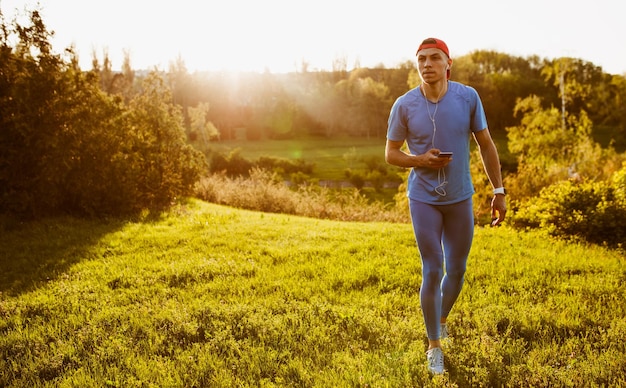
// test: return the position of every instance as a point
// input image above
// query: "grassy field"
(210, 296)
(331, 157)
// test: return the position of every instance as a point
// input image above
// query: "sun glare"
(287, 35)
(234, 35)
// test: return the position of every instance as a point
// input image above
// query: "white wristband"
(499, 190)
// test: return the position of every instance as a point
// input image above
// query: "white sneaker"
(444, 331)
(435, 360)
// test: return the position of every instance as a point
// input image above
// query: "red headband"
(434, 43)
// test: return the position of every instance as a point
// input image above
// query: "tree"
(366, 104)
(372, 107)
(32, 134)
(548, 152)
(200, 127)
(68, 146)
(165, 166)
(500, 79)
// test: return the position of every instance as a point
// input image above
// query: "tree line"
(357, 102)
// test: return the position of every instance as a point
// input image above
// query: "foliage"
(618, 182)
(68, 146)
(200, 128)
(551, 146)
(356, 178)
(357, 102)
(377, 179)
(576, 82)
(558, 160)
(366, 102)
(210, 296)
(500, 79)
(165, 165)
(401, 199)
(30, 121)
(591, 211)
(283, 165)
(483, 191)
(232, 164)
(373, 172)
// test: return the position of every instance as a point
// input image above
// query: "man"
(436, 119)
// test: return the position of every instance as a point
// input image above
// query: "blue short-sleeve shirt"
(457, 115)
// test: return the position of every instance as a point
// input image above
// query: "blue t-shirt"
(458, 114)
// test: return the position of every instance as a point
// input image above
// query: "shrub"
(356, 178)
(374, 163)
(264, 191)
(232, 165)
(377, 179)
(284, 165)
(591, 211)
(618, 180)
(301, 179)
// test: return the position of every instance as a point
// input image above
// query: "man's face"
(432, 64)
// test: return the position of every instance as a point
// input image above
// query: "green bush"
(590, 211)
(618, 181)
(287, 166)
(301, 179)
(356, 178)
(374, 163)
(233, 164)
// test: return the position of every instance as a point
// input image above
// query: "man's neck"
(433, 92)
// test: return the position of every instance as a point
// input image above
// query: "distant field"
(330, 156)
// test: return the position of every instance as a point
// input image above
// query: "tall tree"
(68, 146)
(32, 128)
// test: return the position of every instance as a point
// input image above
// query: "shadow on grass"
(35, 252)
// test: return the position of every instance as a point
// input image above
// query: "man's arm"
(396, 156)
(491, 163)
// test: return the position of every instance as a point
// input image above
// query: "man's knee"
(455, 277)
(432, 276)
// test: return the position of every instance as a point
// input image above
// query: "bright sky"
(279, 35)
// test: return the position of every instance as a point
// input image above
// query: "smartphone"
(445, 154)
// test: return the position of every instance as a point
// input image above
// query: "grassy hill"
(210, 296)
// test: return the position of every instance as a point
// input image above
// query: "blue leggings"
(443, 233)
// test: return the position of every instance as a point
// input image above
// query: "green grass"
(211, 296)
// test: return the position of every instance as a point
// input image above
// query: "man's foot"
(435, 360)
(444, 331)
